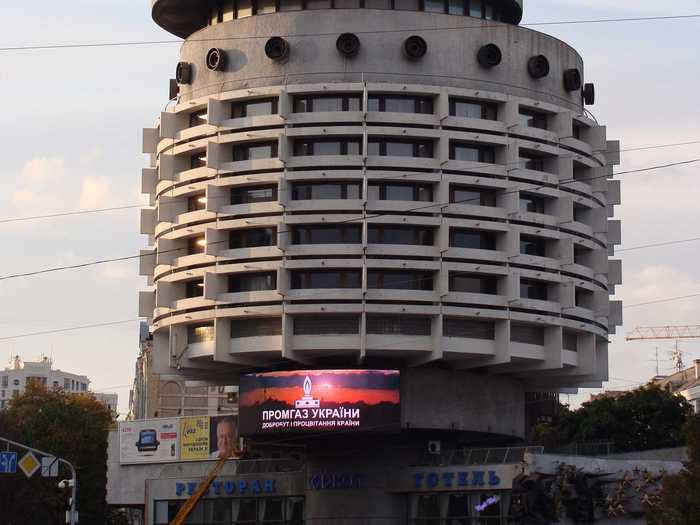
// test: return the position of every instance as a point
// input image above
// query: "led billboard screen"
(320, 400)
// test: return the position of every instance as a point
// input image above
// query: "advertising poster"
(223, 434)
(313, 401)
(194, 438)
(149, 441)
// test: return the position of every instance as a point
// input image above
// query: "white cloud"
(42, 170)
(94, 192)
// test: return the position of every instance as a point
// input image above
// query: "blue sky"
(75, 116)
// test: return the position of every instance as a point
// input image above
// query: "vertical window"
(198, 160)
(254, 151)
(533, 246)
(468, 152)
(263, 7)
(530, 161)
(531, 203)
(533, 119)
(194, 288)
(244, 8)
(196, 202)
(434, 6)
(198, 118)
(254, 108)
(531, 289)
(196, 245)
(406, 5)
(455, 7)
(475, 8)
(570, 341)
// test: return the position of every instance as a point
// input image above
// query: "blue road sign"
(8, 462)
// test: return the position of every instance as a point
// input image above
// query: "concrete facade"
(442, 215)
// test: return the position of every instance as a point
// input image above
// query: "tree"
(643, 419)
(680, 503)
(71, 426)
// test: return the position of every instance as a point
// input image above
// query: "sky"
(71, 125)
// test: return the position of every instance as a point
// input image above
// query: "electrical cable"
(362, 218)
(144, 206)
(483, 25)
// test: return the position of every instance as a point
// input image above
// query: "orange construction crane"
(664, 332)
(189, 505)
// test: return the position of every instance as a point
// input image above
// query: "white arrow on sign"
(49, 466)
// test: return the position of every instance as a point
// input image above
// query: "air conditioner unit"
(434, 447)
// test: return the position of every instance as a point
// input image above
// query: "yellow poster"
(194, 438)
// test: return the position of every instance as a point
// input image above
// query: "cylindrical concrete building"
(409, 185)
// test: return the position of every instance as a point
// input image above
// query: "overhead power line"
(134, 206)
(69, 329)
(353, 219)
(481, 25)
(667, 300)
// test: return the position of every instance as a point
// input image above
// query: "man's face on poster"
(225, 435)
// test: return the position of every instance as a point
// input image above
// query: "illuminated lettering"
(255, 486)
(418, 480)
(191, 487)
(493, 478)
(242, 486)
(269, 485)
(478, 478)
(463, 479)
(229, 487)
(179, 489)
(432, 479)
(216, 485)
(447, 478)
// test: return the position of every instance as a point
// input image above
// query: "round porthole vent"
(216, 59)
(572, 80)
(489, 55)
(538, 66)
(415, 47)
(348, 45)
(277, 48)
(183, 73)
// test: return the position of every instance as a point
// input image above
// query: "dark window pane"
(198, 118)
(472, 239)
(533, 290)
(406, 235)
(200, 333)
(434, 6)
(253, 151)
(256, 328)
(399, 280)
(527, 333)
(196, 245)
(252, 282)
(254, 108)
(472, 196)
(399, 149)
(465, 151)
(327, 279)
(466, 283)
(198, 160)
(327, 234)
(404, 325)
(469, 328)
(317, 103)
(531, 203)
(194, 288)
(533, 246)
(399, 192)
(246, 511)
(253, 238)
(531, 162)
(196, 202)
(533, 119)
(253, 194)
(326, 325)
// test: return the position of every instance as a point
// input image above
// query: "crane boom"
(664, 332)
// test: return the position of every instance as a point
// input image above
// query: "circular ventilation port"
(183, 73)
(348, 45)
(216, 59)
(538, 66)
(277, 48)
(415, 47)
(489, 55)
(572, 80)
(589, 94)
